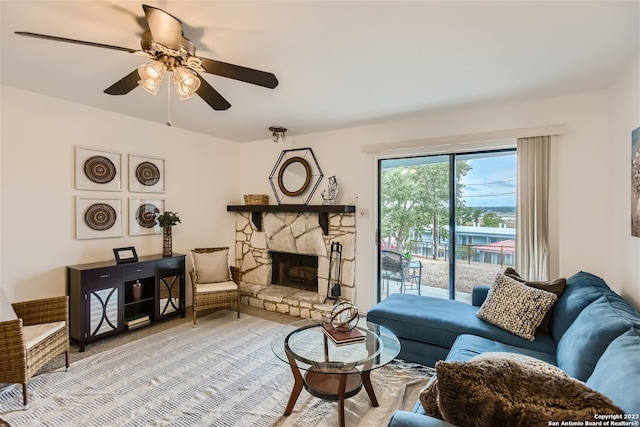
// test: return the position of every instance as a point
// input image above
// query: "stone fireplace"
(303, 236)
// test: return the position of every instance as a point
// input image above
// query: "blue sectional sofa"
(595, 338)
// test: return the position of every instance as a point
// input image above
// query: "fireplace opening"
(294, 270)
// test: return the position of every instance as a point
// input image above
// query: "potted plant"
(166, 220)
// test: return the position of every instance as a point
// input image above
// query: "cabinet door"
(169, 293)
(104, 306)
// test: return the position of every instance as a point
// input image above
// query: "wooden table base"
(331, 386)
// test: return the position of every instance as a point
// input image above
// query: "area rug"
(222, 373)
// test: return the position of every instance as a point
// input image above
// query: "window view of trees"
(415, 211)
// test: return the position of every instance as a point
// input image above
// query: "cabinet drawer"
(138, 270)
(99, 276)
(170, 264)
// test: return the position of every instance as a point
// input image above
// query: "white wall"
(622, 248)
(39, 136)
(581, 199)
(590, 218)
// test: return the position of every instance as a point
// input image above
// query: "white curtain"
(532, 213)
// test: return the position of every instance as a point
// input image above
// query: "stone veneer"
(296, 233)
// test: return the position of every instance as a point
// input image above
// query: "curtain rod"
(466, 138)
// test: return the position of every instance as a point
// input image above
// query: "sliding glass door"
(446, 222)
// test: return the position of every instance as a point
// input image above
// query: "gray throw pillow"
(516, 307)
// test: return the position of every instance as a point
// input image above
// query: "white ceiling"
(339, 63)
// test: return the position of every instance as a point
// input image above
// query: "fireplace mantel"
(323, 212)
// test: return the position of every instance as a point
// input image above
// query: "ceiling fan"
(169, 50)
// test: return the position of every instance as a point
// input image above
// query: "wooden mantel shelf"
(323, 212)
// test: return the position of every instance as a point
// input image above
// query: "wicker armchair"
(29, 342)
(214, 282)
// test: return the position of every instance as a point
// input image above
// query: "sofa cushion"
(469, 346)
(617, 373)
(516, 307)
(502, 389)
(581, 290)
(555, 286)
(589, 335)
(440, 321)
(34, 334)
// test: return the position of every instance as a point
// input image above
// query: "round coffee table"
(333, 372)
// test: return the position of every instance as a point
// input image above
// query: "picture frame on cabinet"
(143, 214)
(98, 217)
(146, 174)
(97, 169)
(124, 255)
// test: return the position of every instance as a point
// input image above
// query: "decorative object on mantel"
(278, 133)
(344, 317)
(166, 221)
(256, 199)
(330, 195)
(295, 176)
(335, 272)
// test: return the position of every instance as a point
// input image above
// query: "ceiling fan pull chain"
(169, 105)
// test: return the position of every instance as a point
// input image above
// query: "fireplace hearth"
(296, 271)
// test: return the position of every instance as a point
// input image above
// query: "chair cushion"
(6, 309)
(508, 389)
(516, 307)
(33, 334)
(210, 267)
(229, 285)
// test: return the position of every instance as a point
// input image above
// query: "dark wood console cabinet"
(102, 300)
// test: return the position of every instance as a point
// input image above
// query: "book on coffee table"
(342, 338)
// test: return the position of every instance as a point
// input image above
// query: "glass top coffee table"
(333, 372)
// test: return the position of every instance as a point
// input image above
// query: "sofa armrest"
(479, 294)
(44, 310)
(411, 419)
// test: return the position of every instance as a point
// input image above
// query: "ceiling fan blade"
(211, 96)
(165, 28)
(124, 85)
(62, 39)
(236, 72)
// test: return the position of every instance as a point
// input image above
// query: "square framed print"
(143, 214)
(127, 254)
(98, 169)
(146, 174)
(98, 217)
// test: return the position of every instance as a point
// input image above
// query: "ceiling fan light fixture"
(151, 76)
(278, 133)
(186, 82)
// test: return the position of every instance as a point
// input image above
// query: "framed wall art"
(98, 169)
(98, 218)
(635, 182)
(146, 174)
(143, 214)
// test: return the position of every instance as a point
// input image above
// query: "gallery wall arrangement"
(101, 215)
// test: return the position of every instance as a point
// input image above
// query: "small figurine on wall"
(330, 195)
